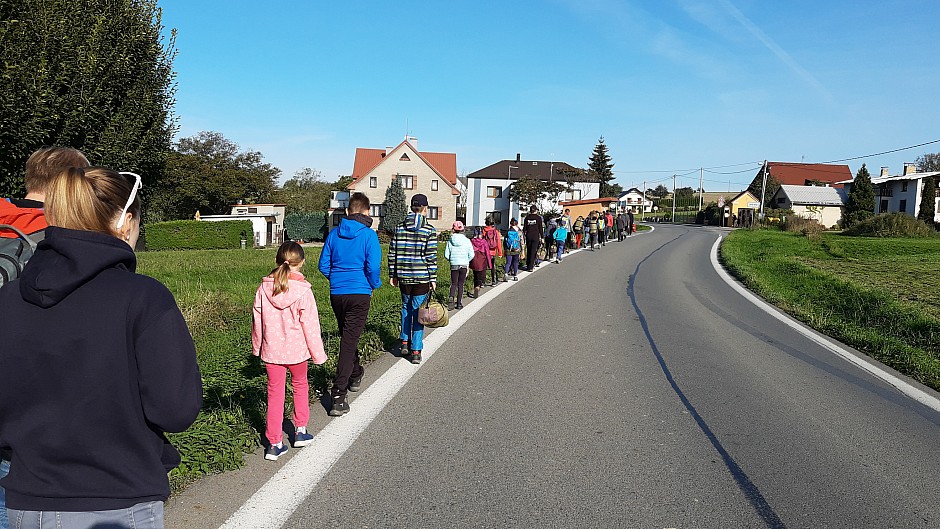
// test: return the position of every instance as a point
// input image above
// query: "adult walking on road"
(631, 227)
(533, 231)
(351, 260)
(621, 226)
(412, 267)
(97, 363)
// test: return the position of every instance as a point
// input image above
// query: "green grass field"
(880, 296)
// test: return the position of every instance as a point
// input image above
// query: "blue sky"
(672, 85)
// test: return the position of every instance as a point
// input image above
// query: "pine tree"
(861, 202)
(601, 167)
(757, 187)
(928, 205)
(395, 208)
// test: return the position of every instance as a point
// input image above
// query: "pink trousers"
(277, 380)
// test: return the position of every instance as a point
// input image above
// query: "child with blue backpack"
(513, 250)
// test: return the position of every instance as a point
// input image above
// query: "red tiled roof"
(443, 162)
(588, 201)
(799, 174)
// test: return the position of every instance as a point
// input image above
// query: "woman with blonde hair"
(96, 364)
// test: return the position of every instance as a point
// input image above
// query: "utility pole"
(643, 202)
(673, 199)
(701, 177)
(763, 189)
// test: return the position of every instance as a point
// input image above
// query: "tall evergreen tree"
(601, 167)
(928, 204)
(757, 187)
(861, 202)
(395, 208)
(91, 74)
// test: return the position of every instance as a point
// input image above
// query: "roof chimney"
(884, 171)
(518, 157)
(413, 141)
(909, 168)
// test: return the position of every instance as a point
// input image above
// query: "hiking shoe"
(459, 306)
(415, 357)
(302, 439)
(274, 451)
(515, 278)
(340, 406)
(356, 383)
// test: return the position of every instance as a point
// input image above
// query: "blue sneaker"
(302, 439)
(274, 451)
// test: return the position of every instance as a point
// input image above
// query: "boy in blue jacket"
(350, 260)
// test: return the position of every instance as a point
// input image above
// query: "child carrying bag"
(433, 314)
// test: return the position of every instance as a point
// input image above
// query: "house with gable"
(432, 173)
(902, 193)
(488, 188)
(807, 174)
(824, 204)
(636, 200)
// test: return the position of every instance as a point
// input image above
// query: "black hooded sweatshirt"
(96, 362)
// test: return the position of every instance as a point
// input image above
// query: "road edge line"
(876, 369)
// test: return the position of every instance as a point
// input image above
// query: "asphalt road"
(631, 387)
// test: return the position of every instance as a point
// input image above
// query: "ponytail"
(289, 254)
(90, 199)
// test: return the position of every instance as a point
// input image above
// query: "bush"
(892, 225)
(798, 224)
(444, 235)
(198, 234)
(306, 226)
(384, 237)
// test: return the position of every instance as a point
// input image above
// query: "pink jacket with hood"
(286, 327)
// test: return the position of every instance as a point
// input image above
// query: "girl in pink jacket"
(285, 332)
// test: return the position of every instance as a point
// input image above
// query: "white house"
(488, 188)
(823, 204)
(901, 193)
(267, 221)
(635, 200)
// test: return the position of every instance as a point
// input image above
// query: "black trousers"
(531, 253)
(458, 276)
(351, 312)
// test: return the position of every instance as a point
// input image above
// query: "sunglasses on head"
(130, 199)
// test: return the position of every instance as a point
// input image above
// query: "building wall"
(828, 216)
(423, 174)
(478, 204)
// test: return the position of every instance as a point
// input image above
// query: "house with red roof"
(807, 174)
(432, 173)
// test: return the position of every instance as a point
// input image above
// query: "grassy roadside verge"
(878, 295)
(215, 290)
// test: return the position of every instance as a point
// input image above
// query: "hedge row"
(199, 235)
(306, 225)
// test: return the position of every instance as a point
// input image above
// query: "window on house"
(433, 213)
(433, 185)
(781, 200)
(494, 192)
(903, 188)
(404, 158)
(884, 207)
(407, 181)
(377, 210)
(903, 207)
(574, 194)
(495, 216)
(252, 210)
(373, 181)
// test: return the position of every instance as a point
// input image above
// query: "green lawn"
(878, 295)
(215, 290)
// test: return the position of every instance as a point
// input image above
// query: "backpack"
(492, 239)
(478, 263)
(578, 225)
(14, 253)
(513, 242)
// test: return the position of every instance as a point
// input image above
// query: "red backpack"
(492, 239)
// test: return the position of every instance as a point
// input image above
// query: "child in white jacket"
(459, 252)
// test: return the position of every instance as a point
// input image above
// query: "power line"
(886, 152)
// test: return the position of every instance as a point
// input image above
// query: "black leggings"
(458, 276)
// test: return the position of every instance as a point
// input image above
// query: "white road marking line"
(876, 370)
(277, 499)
